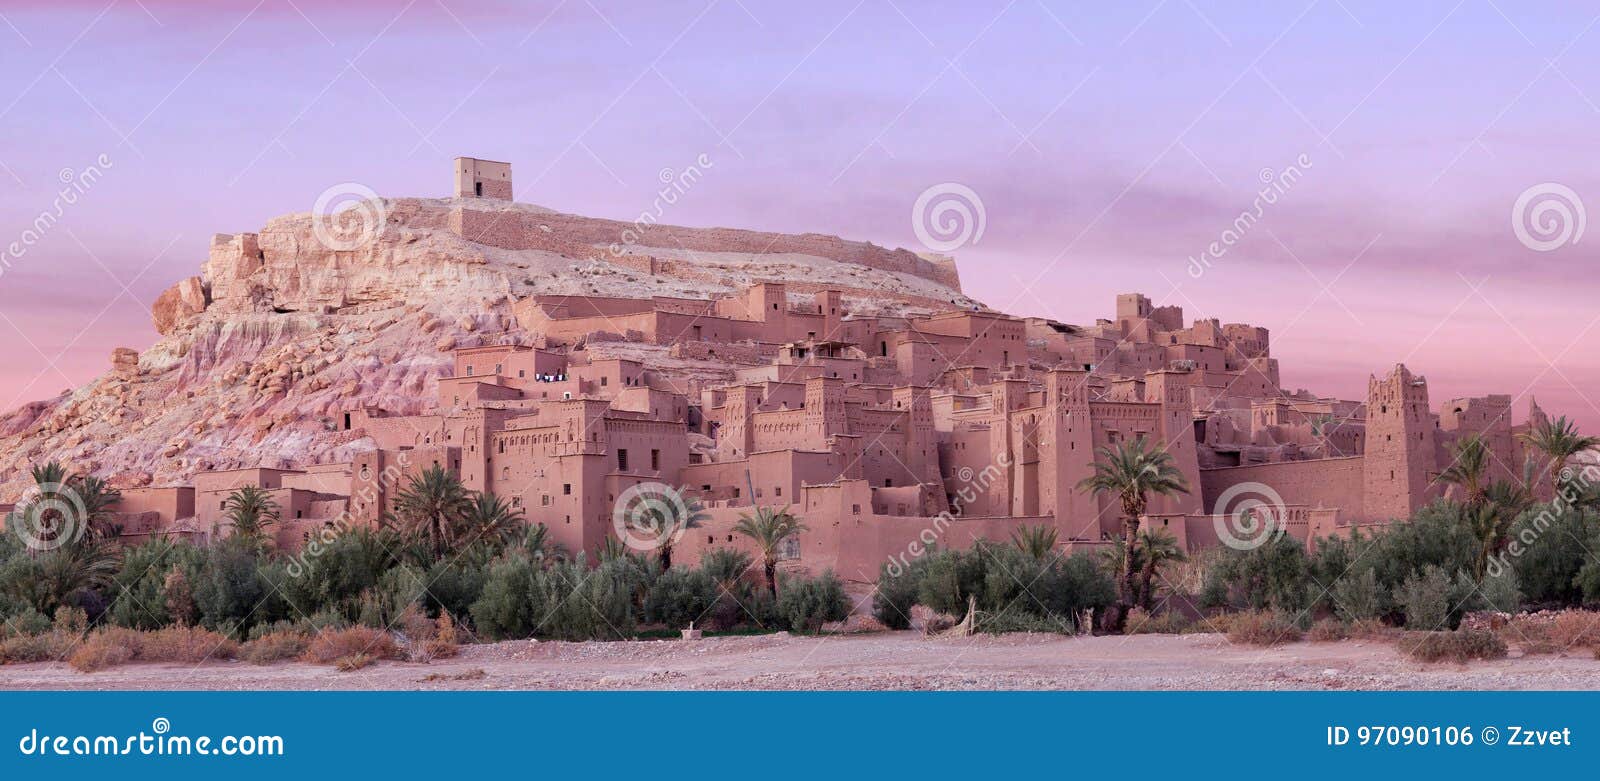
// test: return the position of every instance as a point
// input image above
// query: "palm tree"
(488, 516)
(1491, 518)
(666, 519)
(726, 566)
(769, 528)
(1559, 440)
(1157, 547)
(1468, 468)
(1131, 471)
(66, 559)
(99, 503)
(535, 541)
(85, 565)
(251, 511)
(432, 507)
(74, 506)
(1036, 541)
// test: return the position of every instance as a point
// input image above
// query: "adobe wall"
(168, 504)
(585, 237)
(1324, 482)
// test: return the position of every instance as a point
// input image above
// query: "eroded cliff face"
(285, 329)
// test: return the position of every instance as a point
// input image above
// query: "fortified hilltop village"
(559, 361)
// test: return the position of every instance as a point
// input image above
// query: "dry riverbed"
(881, 660)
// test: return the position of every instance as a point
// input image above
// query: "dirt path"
(886, 660)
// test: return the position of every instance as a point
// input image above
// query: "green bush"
(1356, 596)
(949, 578)
(1432, 600)
(140, 586)
(680, 596)
(1552, 567)
(25, 622)
(398, 589)
(597, 605)
(1501, 592)
(1003, 579)
(566, 600)
(896, 594)
(1272, 576)
(457, 582)
(807, 604)
(511, 599)
(1426, 600)
(336, 574)
(231, 591)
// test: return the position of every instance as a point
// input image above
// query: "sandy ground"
(884, 660)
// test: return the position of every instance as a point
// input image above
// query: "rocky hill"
(286, 328)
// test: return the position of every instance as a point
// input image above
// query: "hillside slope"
(284, 329)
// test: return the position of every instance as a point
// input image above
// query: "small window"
(566, 490)
(622, 460)
(655, 458)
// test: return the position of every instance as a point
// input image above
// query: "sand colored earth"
(884, 660)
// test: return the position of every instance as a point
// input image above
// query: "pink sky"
(1108, 147)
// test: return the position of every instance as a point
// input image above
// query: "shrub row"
(1005, 582)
